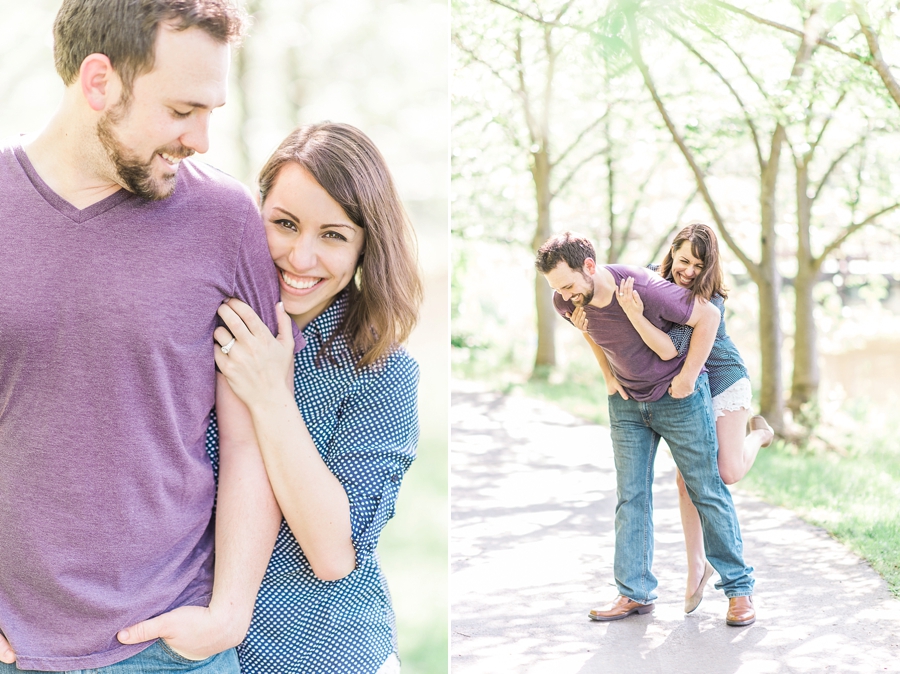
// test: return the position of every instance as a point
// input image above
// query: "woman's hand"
(258, 366)
(579, 319)
(630, 299)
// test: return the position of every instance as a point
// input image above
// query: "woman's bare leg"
(693, 537)
(737, 450)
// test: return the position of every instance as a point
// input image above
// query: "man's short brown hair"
(125, 31)
(570, 248)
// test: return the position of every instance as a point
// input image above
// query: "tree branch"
(477, 59)
(578, 138)
(835, 163)
(828, 119)
(664, 239)
(733, 51)
(878, 62)
(734, 93)
(515, 10)
(571, 174)
(632, 213)
(788, 29)
(850, 230)
(752, 267)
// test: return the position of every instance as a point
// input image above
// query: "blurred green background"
(380, 65)
(777, 122)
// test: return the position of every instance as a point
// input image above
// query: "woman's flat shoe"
(691, 603)
(759, 423)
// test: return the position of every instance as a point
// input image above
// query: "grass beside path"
(854, 497)
(854, 494)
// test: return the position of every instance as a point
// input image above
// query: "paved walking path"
(533, 494)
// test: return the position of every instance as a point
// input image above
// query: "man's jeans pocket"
(177, 657)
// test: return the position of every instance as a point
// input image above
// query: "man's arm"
(704, 319)
(578, 318)
(247, 523)
(613, 385)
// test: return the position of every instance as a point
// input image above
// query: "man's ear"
(98, 81)
(590, 267)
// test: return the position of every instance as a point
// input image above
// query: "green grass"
(853, 497)
(851, 489)
(413, 552)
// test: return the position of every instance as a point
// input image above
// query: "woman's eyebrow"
(287, 213)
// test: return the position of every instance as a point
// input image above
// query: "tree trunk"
(805, 379)
(769, 282)
(612, 252)
(546, 314)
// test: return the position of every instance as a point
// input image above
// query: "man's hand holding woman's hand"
(258, 366)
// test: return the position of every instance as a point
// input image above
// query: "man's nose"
(196, 137)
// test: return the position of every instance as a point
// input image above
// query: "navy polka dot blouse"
(365, 426)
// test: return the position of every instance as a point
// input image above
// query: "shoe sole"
(640, 610)
(740, 623)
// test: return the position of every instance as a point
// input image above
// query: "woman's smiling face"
(685, 267)
(313, 243)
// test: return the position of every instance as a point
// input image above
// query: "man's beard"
(584, 298)
(134, 174)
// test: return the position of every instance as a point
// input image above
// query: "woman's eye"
(335, 235)
(286, 224)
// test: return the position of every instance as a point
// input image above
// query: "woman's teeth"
(299, 285)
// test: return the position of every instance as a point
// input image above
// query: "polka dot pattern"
(365, 426)
(724, 364)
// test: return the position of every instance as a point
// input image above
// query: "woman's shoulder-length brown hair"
(705, 247)
(385, 293)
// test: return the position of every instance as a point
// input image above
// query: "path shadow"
(532, 534)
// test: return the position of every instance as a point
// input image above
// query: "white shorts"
(390, 666)
(735, 397)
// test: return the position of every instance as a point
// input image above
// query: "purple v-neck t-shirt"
(107, 379)
(644, 375)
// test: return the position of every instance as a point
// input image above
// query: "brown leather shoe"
(622, 607)
(740, 612)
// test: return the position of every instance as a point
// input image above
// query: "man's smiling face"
(573, 285)
(166, 117)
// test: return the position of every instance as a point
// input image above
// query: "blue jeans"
(158, 658)
(688, 427)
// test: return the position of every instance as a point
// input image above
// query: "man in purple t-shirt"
(651, 398)
(118, 251)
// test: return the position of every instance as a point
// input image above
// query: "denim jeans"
(158, 658)
(688, 427)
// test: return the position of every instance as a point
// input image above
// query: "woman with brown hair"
(339, 432)
(692, 262)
